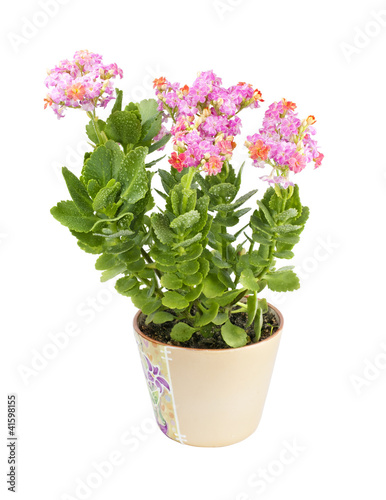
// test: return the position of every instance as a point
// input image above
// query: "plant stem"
(148, 259)
(94, 121)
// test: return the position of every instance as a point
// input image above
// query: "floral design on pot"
(155, 363)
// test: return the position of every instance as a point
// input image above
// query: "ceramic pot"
(208, 397)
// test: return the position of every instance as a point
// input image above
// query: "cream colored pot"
(208, 397)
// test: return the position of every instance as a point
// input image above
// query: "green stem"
(148, 259)
(94, 121)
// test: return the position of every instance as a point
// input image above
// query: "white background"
(326, 393)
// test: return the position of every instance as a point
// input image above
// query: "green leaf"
(171, 281)
(286, 281)
(289, 239)
(193, 252)
(190, 267)
(266, 213)
(248, 280)
(106, 196)
(112, 272)
(151, 119)
(185, 221)
(98, 167)
(263, 305)
(233, 335)
(252, 306)
(256, 222)
(117, 156)
(259, 238)
(118, 101)
(188, 242)
(125, 284)
(162, 317)
(304, 216)
(151, 305)
(225, 278)
(90, 130)
(174, 300)
(207, 316)
(287, 228)
(67, 213)
(154, 162)
(136, 266)
(123, 127)
(224, 190)
(220, 319)
(120, 247)
(159, 144)
(93, 188)
(213, 286)
(218, 262)
(201, 206)
(133, 177)
(194, 293)
(168, 181)
(228, 297)
(89, 242)
(285, 254)
(193, 279)
(165, 258)
(78, 192)
(181, 332)
(148, 109)
(105, 261)
(160, 224)
(286, 215)
(256, 260)
(204, 267)
(258, 324)
(236, 204)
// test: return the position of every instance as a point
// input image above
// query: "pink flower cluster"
(82, 83)
(284, 142)
(204, 119)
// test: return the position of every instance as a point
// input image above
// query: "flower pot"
(208, 397)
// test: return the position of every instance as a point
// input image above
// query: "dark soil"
(161, 333)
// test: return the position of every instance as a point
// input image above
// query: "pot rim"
(230, 349)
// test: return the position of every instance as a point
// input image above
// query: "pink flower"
(178, 161)
(213, 166)
(318, 160)
(288, 142)
(226, 148)
(297, 162)
(259, 151)
(288, 105)
(76, 91)
(83, 83)
(204, 116)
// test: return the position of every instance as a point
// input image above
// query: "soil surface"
(161, 333)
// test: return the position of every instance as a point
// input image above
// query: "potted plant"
(195, 264)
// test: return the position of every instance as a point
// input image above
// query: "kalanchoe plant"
(183, 264)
